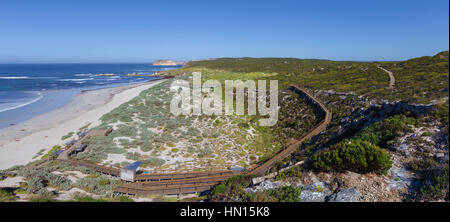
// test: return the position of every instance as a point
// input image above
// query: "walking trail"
(391, 77)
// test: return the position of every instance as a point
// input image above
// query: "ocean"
(27, 90)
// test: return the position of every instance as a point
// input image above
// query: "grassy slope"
(419, 80)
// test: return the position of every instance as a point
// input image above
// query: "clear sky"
(142, 31)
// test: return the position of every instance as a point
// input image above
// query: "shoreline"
(20, 143)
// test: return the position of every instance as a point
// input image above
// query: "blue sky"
(142, 31)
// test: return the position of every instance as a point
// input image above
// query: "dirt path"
(391, 77)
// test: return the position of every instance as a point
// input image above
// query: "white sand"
(73, 176)
(11, 182)
(68, 195)
(17, 147)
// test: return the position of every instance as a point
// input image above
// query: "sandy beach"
(20, 143)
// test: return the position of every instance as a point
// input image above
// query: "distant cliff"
(167, 62)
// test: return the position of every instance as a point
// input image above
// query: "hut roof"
(132, 166)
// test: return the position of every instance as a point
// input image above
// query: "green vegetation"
(421, 79)
(152, 161)
(294, 172)
(433, 178)
(382, 132)
(51, 152)
(6, 195)
(296, 117)
(84, 198)
(232, 186)
(282, 194)
(98, 185)
(418, 80)
(67, 135)
(354, 155)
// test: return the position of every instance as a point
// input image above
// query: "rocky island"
(167, 62)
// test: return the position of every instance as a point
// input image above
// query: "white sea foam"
(26, 77)
(12, 106)
(14, 77)
(75, 80)
(83, 74)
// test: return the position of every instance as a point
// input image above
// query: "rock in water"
(166, 62)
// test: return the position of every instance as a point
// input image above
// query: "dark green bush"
(292, 172)
(219, 189)
(380, 133)
(232, 186)
(6, 195)
(355, 155)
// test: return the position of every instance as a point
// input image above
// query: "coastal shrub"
(67, 136)
(234, 185)
(99, 185)
(43, 196)
(125, 143)
(124, 130)
(436, 185)
(15, 168)
(219, 189)
(440, 112)
(153, 161)
(39, 178)
(282, 194)
(285, 194)
(145, 133)
(433, 178)
(59, 181)
(132, 156)
(35, 184)
(51, 152)
(354, 155)
(6, 195)
(41, 151)
(192, 131)
(204, 152)
(99, 143)
(380, 133)
(93, 156)
(292, 172)
(125, 199)
(146, 146)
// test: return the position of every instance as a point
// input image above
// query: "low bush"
(6, 195)
(355, 155)
(153, 161)
(294, 172)
(380, 133)
(52, 151)
(282, 194)
(67, 136)
(98, 185)
(232, 186)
